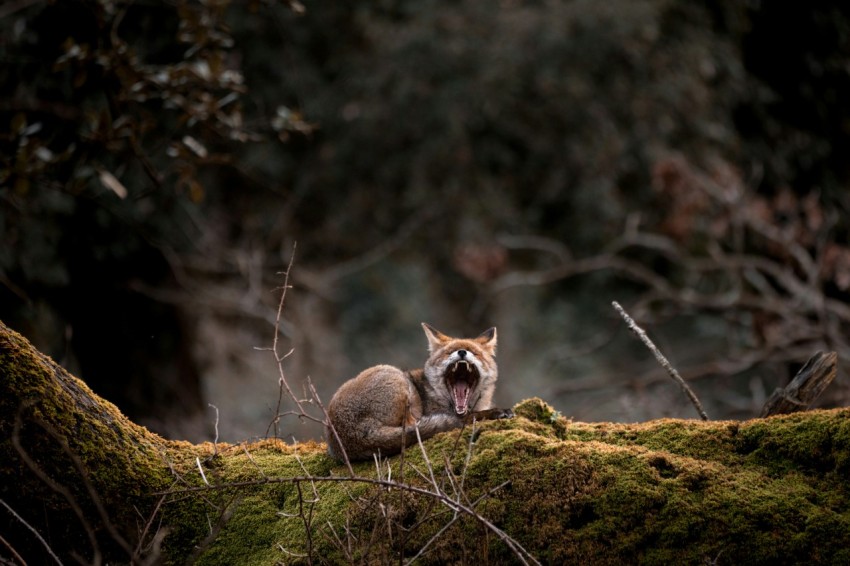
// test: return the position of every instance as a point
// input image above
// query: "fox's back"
(376, 393)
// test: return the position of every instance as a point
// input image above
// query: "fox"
(379, 411)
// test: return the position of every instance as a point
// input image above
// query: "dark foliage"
(157, 155)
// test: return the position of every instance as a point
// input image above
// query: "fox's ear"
(435, 337)
(488, 339)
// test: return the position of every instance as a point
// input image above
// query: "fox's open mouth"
(461, 379)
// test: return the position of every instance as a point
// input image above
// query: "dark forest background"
(466, 163)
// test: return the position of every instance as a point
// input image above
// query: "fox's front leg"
(430, 425)
(488, 415)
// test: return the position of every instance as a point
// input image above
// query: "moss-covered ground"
(770, 491)
(766, 491)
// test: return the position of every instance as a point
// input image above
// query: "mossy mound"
(769, 491)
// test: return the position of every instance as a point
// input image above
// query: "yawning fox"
(379, 411)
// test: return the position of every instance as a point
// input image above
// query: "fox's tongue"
(461, 393)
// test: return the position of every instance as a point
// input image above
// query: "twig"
(637, 330)
(330, 426)
(427, 460)
(14, 552)
(201, 469)
(55, 486)
(215, 442)
(455, 517)
(157, 537)
(251, 459)
(35, 532)
(282, 383)
(223, 518)
(306, 519)
(345, 548)
(437, 535)
(523, 555)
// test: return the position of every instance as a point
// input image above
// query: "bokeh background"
(468, 163)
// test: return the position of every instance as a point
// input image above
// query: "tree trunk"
(79, 481)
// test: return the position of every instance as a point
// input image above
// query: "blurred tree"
(113, 111)
(161, 158)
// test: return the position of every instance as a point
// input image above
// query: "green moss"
(655, 493)
(771, 491)
(815, 441)
(270, 519)
(68, 434)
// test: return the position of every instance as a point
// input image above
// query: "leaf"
(196, 146)
(112, 183)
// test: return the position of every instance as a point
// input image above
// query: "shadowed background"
(468, 164)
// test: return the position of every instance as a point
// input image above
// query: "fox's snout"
(462, 355)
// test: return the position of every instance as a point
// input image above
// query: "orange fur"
(379, 410)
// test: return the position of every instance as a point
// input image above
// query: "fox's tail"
(388, 440)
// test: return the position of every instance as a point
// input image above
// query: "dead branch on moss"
(226, 511)
(812, 379)
(145, 551)
(35, 533)
(153, 547)
(56, 487)
(457, 503)
(639, 332)
(452, 504)
(691, 451)
(326, 421)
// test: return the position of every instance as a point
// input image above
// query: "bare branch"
(282, 383)
(638, 331)
(201, 469)
(330, 426)
(35, 532)
(215, 441)
(521, 553)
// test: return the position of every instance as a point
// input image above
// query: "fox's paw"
(490, 414)
(505, 414)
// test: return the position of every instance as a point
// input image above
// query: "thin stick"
(519, 551)
(638, 331)
(35, 532)
(330, 426)
(215, 442)
(11, 549)
(201, 469)
(282, 383)
(55, 486)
